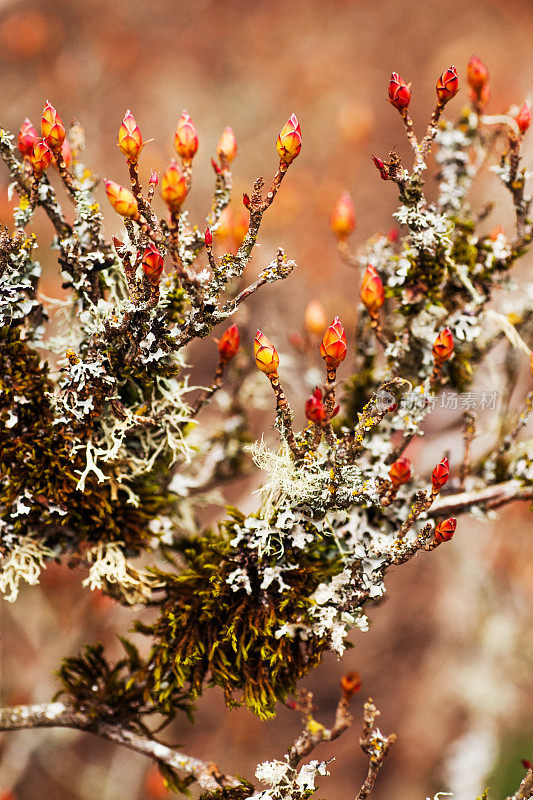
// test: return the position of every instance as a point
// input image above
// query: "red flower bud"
(52, 128)
(333, 347)
(399, 92)
(443, 346)
(208, 237)
(440, 474)
(152, 264)
(266, 357)
(173, 187)
(215, 166)
(445, 530)
(154, 178)
(185, 137)
(526, 763)
(350, 684)
(447, 85)
(246, 200)
(477, 74)
(522, 119)
(315, 411)
(372, 293)
(66, 154)
(228, 345)
(130, 139)
(393, 235)
(400, 472)
(27, 138)
(227, 145)
(41, 157)
(121, 199)
(383, 168)
(342, 220)
(289, 141)
(315, 319)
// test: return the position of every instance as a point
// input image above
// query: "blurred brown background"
(449, 654)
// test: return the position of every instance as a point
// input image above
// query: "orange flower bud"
(266, 357)
(399, 92)
(447, 85)
(400, 472)
(27, 138)
(333, 347)
(41, 157)
(152, 264)
(372, 293)
(350, 684)
(315, 319)
(342, 219)
(445, 530)
(289, 141)
(154, 785)
(477, 74)
(315, 410)
(130, 139)
(185, 137)
(52, 128)
(121, 199)
(522, 119)
(227, 145)
(443, 346)
(173, 187)
(440, 474)
(228, 345)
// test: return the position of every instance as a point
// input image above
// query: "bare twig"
(375, 746)
(525, 790)
(314, 733)
(491, 497)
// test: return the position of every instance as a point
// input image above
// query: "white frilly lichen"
(24, 563)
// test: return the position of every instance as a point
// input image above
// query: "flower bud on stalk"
(477, 76)
(440, 475)
(342, 219)
(152, 264)
(66, 155)
(400, 472)
(228, 345)
(350, 684)
(315, 411)
(447, 85)
(173, 187)
(522, 119)
(185, 138)
(399, 92)
(289, 141)
(208, 237)
(315, 319)
(41, 157)
(382, 167)
(130, 139)
(445, 530)
(154, 178)
(443, 346)
(227, 145)
(372, 293)
(27, 138)
(52, 128)
(121, 199)
(333, 347)
(266, 357)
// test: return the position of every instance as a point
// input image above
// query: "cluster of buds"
(445, 530)
(333, 347)
(130, 140)
(228, 344)
(121, 200)
(152, 264)
(173, 187)
(447, 86)
(440, 475)
(399, 92)
(342, 219)
(185, 138)
(477, 76)
(289, 141)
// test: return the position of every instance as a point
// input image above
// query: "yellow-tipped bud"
(173, 187)
(266, 357)
(121, 199)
